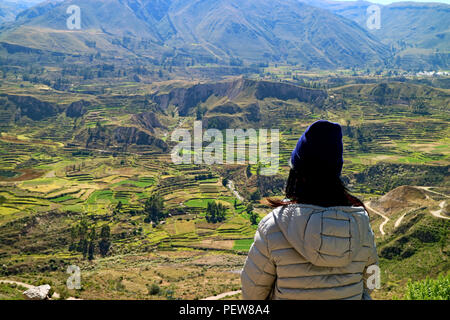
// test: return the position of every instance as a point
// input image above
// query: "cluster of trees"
(252, 215)
(361, 136)
(201, 177)
(85, 240)
(73, 168)
(200, 112)
(419, 107)
(154, 209)
(215, 212)
(255, 196)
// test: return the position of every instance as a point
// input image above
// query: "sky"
(392, 1)
(374, 1)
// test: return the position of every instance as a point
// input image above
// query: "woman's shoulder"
(268, 224)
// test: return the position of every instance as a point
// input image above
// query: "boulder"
(37, 293)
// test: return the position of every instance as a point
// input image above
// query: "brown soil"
(399, 199)
(26, 174)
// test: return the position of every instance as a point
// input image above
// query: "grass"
(11, 292)
(198, 203)
(242, 244)
(429, 289)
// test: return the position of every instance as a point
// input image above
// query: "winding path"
(223, 295)
(25, 285)
(428, 189)
(29, 286)
(438, 213)
(399, 220)
(386, 219)
(232, 188)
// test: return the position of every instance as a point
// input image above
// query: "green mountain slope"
(415, 244)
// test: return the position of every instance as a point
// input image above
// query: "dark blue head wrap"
(320, 149)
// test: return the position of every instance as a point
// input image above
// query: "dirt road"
(438, 213)
(25, 285)
(223, 295)
(386, 219)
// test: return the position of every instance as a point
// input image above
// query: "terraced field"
(101, 166)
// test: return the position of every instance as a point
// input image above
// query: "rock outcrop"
(33, 108)
(38, 293)
(187, 98)
(77, 109)
(147, 120)
(119, 138)
(132, 135)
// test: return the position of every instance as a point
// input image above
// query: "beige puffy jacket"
(305, 252)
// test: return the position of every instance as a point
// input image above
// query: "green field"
(99, 168)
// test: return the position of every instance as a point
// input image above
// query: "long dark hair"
(316, 188)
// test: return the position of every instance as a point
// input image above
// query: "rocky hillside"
(187, 98)
(280, 30)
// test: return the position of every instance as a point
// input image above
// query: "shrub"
(154, 289)
(429, 289)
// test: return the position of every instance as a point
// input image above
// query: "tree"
(91, 250)
(91, 246)
(154, 209)
(252, 215)
(253, 218)
(215, 212)
(419, 107)
(83, 247)
(80, 233)
(349, 129)
(249, 171)
(225, 182)
(199, 115)
(443, 233)
(93, 234)
(105, 243)
(255, 196)
(118, 207)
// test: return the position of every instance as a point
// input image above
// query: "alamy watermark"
(74, 280)
(74, 21)
(374, 19)
(189, 150)
(374, 280)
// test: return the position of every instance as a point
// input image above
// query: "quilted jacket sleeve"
(369, 275)
(259, 273)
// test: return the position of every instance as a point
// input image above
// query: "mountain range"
(422, 25)
(9, 9)
(319, 33)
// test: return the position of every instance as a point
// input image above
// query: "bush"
(154, 289)
(429, 289)
(255, 196)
